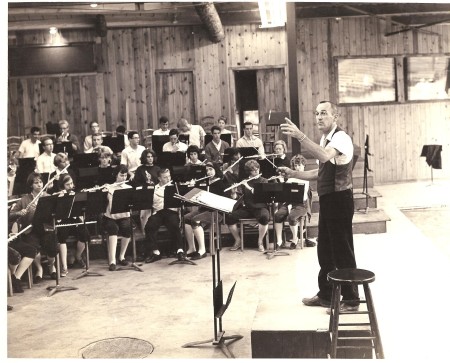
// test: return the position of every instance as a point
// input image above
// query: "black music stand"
(170, 202)
(168, 159)
(184, 138)
(64, 147)
(187, 172)
(365, 190)
(272, 193)
(219, 340)
(95, 203)
(26, 167)
(106, 175)
(115, 143)
(53, 208)
(129, 200)
(158, 142)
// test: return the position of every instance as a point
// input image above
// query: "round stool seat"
(351, 276)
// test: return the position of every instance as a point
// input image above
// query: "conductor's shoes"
(152, 258)
(112, 267)
(345, 308)
(316, 301)
(181, 256)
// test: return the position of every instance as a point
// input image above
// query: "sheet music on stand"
(208, 199)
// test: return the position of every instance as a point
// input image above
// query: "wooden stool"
(350, 276)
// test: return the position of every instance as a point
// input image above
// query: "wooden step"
(359, 199)
(374, 221)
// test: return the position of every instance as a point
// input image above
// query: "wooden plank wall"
(397, 131)
(128, 59)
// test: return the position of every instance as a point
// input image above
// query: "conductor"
(334, 185)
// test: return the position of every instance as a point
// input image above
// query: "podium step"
(374, 221)
(359, 199)
(293, 330)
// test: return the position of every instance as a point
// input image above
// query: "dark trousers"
(335, 242)
(164, 217)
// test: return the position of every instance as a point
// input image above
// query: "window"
(428, 78)
(366, 80)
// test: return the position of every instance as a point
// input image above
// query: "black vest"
(332, 177)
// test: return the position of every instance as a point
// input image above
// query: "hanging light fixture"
(272, 12)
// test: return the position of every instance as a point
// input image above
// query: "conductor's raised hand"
(290, 129)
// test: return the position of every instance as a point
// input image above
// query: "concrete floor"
(170, 306)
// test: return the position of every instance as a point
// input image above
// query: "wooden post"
(292, 69)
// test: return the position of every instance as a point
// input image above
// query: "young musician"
(88, 144)
(146, 174)
(215, 149)
(174, 144)
(67, 186)
(106, 173)
(118, 223)
(163, 126)
(231, 169)
(29, 148)
(29, 243)
(293, 212)
(162, 216)
(192, 154)
(131, 154)
(62, 164)
(45, 161)
(250, 209)
(65, 136)
(196, 221)
(280, 149)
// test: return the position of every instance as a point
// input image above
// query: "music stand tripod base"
(86, 273)
(272, 253)
(54, 289)
(132, 266)
(185, 261)
(221, 343)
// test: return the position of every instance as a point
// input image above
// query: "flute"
(242, 182)
(104, 186)
(230, 167)
(14, 236)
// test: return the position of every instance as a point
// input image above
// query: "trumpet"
(104, 186)
(242, 182)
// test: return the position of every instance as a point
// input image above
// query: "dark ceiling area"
(33, 16)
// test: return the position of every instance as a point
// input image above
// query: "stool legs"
(334, 318)
(373, 322)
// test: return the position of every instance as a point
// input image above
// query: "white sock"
(179, 250)
(156, 252)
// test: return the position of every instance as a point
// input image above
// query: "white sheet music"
(212, 200)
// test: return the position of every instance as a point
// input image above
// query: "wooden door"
(271, 84)
(175, 96)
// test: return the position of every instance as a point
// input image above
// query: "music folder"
(210, 200)
(158, 142)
